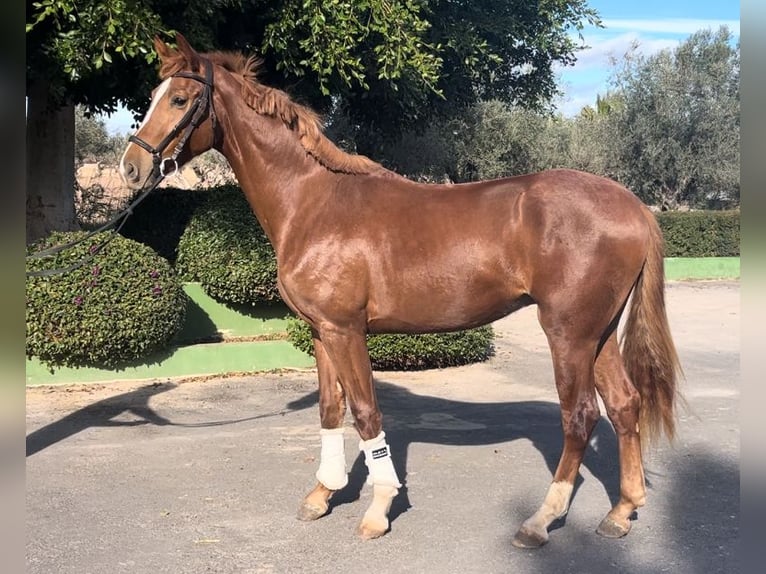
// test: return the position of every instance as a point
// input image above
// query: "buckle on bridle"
(174, 164)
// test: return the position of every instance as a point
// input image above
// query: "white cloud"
(589, 75)
(573, 104)
(682, 26)
(600, 49)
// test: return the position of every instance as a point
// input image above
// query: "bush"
(124, 304)
(700, 233)
(412, 352)
(226, 250)
(161, 218)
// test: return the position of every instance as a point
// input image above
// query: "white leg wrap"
(332, 463)
(377, 457)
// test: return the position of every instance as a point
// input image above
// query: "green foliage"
(488, 140)
(161, 218)
(412, 352)
(677, 130)
(499, 141)
(379, 56)
(683, 153)
(700, 233)
(92, 141)
(89, 33)
(125, 304)
(226, 250)
(489, 49)
(99, 52)
(337, 38)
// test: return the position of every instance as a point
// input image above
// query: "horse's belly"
(428, 311)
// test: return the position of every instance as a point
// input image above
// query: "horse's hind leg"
(331, 475)
(622, 406)
(573, 365)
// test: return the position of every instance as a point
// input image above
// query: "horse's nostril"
(131, 172)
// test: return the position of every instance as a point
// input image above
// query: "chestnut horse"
(363, 250)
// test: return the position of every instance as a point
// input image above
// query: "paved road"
(206, 476)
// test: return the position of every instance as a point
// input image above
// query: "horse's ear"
(163, 50)
(188, 52)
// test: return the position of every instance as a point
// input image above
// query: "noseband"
(187, 124)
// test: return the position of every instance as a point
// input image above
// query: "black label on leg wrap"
(381, 452)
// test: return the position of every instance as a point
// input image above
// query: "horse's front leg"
(331, 475)
(348, 352)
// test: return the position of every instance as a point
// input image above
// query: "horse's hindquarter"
(587, 240)
(411, 258)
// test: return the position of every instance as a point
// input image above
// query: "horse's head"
(180, 123)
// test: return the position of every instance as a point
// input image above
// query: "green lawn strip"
(681, 268)
(208, 319)
(194, 360)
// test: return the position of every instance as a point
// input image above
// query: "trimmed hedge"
(162, 216)
(226, 250)
(412, 352)
(700, 233)
(124, 304)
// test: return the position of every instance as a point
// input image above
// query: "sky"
(654, 24)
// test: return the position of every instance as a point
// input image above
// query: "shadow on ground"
(700, 519)
(103, 414)
(412, 418)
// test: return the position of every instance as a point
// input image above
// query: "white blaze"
(161, 89)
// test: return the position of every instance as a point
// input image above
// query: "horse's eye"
(178, 101)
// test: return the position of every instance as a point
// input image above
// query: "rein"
(187, 124)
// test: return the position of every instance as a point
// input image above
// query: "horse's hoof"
(371, 530)
(527, 538)
(308, 512)
(610, 528)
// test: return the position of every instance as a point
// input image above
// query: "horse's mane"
(277, 104)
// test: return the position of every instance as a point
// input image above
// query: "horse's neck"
(271, 166)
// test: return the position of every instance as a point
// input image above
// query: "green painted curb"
(701, 268)
(194, 360)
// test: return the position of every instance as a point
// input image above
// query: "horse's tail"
(647, 347)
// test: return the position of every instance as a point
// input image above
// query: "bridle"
(188, 123)
(193, 117)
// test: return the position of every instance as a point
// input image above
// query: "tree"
(488, 140)
(388, 63)
(679, 122)
(489, 50)
(92, 141)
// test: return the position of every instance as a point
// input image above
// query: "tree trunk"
(50, 167)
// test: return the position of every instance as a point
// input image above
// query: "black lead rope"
(188, 123)
(50, 252)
